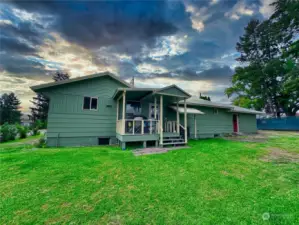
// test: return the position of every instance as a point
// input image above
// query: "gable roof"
(52, 84)
(161, 90)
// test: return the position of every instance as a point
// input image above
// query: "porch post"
(161, 119)
(185, 115)
(155, 108)
(124, 113)
(195, 128)
(177, 118)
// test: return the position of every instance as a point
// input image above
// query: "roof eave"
(52, 84)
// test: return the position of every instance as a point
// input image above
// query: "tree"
(60, 76)
(40, 108)
(207, 98)
(267, 48)
(10, 109)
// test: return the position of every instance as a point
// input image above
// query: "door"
(235, 123)
(152, 111)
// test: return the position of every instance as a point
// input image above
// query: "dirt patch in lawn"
(277, 155)
(258, 137)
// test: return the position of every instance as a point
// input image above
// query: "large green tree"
(269, 54)
(10, 109)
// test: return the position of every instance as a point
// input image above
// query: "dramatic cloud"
(239, 10)
(266, 8)
(188, 43)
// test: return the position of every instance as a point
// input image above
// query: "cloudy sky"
(188, 43)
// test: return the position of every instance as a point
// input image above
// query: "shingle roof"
(201, 102)
(232, 108)
(244, 110)
(52, 84)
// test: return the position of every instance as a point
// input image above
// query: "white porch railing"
(170, 126)
(137, 127)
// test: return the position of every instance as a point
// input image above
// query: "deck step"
(173, 140)
(175, 137)
(174, 143)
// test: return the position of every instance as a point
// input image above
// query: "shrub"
(8, 132)
(41, 143)
(36, 126)
(22, 130)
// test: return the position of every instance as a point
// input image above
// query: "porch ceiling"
(188, 110)
(137, 94)
(133, 93)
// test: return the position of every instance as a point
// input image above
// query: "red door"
(235, 122)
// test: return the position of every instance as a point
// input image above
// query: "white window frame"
(90, 103)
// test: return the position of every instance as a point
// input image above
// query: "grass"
(13, 143)
(214, 182)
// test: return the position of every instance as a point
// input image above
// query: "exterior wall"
(247, 123)
(208, 124)
(69, 124)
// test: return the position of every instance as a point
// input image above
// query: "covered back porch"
(150, 115)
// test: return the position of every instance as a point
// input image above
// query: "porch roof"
(189, 110)
(133, 93)
(172, 91)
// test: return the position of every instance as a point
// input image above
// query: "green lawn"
(215, 181)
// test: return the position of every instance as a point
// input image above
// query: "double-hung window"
(90, 103)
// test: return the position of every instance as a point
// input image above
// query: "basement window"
(90, 103)
(103, 141)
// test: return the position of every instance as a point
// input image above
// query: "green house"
(103, 109)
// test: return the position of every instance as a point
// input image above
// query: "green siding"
(247, 123)
(70, 125)
(208, 124)
(76, 126)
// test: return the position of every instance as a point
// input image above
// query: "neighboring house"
(103, 109)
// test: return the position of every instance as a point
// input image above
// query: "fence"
(286, 123)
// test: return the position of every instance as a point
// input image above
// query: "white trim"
(195, 127)
(177, 118)
(124, 111)
(155, 108)
(185, 115)
(161, 119)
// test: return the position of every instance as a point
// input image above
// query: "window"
(103, 141)
(133, 109)
(215, 111)
(90, 103)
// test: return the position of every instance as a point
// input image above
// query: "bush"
(22, 130)
(8, 132)
(41, 143)
(36, 126)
